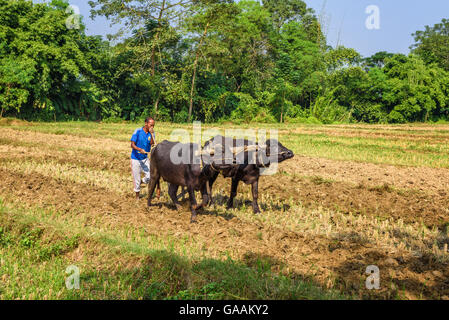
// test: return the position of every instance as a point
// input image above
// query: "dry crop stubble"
(319, 239)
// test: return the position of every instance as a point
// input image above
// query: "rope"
(151, 151)
(257, 155)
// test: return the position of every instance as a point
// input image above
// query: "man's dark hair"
(148, 119)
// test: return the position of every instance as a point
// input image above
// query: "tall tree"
(245, 57)
(210, 14)
(432, 44)
(377, 60)
(415, 91)
(297, 59)
(41, 60)
(153, 22)
(283, 11)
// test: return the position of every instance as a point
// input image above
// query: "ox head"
(276, 152)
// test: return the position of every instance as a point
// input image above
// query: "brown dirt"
(408, 193)
(5, 122)
(418, 127)
(324, 184)
(431, 180)
(428, 138)
(411, 194)
(61, 141)
(339, 265)
(117, 162)
(380, 201)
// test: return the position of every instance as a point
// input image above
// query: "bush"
(370, 113)
(162, 114)
(264, 116)
(327, 110)
(181, 116)
(246, 109)
(113, 120)
(305, 120)
(396, 117)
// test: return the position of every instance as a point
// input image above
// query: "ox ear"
(267, 146)
(271, 143)
(268, 142)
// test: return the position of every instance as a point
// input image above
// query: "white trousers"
(137, 167)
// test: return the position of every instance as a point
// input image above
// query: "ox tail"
(158, 189)
(208, 190)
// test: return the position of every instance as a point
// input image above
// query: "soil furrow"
(336, 264)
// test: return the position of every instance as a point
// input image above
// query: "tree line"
(210, 60)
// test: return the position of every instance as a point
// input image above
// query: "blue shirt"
(142, 140)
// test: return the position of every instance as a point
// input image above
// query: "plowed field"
(353, 196)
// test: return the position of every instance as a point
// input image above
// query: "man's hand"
(152, 142)
(134, 147)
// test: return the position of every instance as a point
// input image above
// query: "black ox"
(179, 164)
(241, 160)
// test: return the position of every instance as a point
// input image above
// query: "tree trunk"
(79, 105)
(156, 104)
(8, 86)
(239, 86)
(156, 38)
(282, 108)
(153, 53)
(153, 59)
(192, 88)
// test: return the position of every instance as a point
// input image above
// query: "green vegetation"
(35, 245)
(245, 61)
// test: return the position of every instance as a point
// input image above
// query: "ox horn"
(250, 148)
(205, 152)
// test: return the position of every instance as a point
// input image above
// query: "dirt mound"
(431, 180)
(378, 201)
(6, 122)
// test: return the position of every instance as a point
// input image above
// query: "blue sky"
(398, 20)
(345, 20)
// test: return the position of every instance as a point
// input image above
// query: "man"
(141, 142)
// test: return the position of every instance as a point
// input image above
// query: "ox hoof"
(198, 207)
(193, 217)
(178, 207)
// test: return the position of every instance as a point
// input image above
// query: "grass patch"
(308, 140)
(36, 248)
